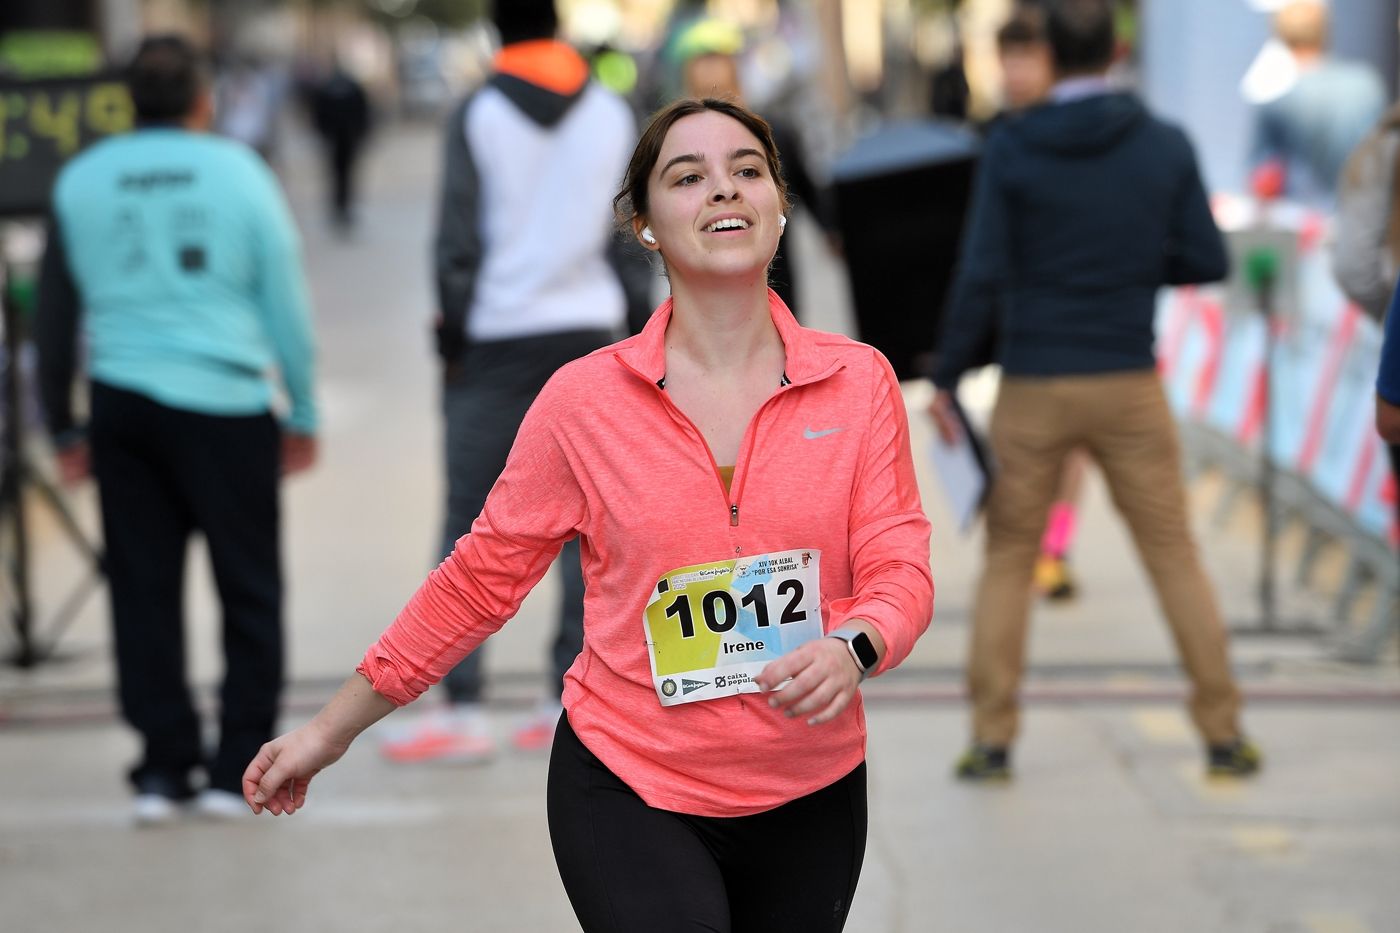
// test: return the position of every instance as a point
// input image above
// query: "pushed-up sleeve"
(536, 505)
(892, 587)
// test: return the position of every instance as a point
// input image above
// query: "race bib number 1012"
(712, 627)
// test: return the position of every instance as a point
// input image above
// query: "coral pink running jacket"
(604, 454)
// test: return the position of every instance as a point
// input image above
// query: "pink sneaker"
(443, 735)
(537, 734)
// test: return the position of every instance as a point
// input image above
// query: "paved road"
(1109, 826)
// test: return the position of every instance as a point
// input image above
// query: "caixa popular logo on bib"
(712, 627)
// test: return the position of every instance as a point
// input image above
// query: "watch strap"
(849, 638)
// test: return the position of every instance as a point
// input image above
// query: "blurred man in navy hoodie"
(1082, 209)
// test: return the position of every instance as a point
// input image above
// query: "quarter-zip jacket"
(604, 454)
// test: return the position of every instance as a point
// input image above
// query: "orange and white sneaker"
(459, 734)
(537, 733)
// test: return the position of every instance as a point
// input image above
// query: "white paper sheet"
(964, 473)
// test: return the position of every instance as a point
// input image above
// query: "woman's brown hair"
(631, 201)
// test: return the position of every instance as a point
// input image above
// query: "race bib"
(712, 627)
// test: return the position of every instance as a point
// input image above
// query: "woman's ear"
(643, 233)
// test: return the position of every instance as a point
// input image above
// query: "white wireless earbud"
(648, 236)
(782, 221)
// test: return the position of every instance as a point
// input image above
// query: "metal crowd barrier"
(1333, 474)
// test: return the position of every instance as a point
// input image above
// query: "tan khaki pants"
(1122, 419)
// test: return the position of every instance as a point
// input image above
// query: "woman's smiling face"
(714, 207)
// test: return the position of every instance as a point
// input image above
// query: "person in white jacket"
(526, 283)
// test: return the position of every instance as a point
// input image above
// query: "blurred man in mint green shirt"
(174, 256)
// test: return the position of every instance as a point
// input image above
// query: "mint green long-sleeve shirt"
(187, 267)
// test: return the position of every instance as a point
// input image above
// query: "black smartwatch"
(861, 647)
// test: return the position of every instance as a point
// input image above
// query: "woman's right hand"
(277, 778)
(279, 775)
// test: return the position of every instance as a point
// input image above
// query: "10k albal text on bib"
(712, 627)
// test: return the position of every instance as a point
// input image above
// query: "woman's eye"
(749, 171)
(690, 179)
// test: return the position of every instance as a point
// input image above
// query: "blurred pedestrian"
(615, 69)
(710, 771)
(661, 80)
(1028, 75)
(1366, 241)
(175, 252)
(949, 94)
(524, 285)
(1366, 233)
(1388, 387)
(1308, 132)
(341, 114)
(710, 68)
(247, 99)
(1027, 66)
(1081, 210)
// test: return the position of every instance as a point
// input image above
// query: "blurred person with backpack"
(1366, 240)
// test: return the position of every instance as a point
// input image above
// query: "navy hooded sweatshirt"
(1080, 211)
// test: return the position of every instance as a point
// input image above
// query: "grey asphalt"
(1109, 825)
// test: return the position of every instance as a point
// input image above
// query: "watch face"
(865, 651)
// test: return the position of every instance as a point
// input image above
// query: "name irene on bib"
(712, 627)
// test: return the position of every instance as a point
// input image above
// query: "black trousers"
(631, 868)
(162, 474)
(342, 155)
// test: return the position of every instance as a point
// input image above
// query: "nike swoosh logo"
(811, 435)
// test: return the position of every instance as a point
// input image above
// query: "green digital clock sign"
(44, 123)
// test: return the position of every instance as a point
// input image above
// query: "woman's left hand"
(816, 680)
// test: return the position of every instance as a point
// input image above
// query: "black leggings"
(631, 868)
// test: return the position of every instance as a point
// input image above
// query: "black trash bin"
(901, 198)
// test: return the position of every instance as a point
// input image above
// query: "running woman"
(753, 545)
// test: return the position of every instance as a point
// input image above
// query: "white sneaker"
(154, 810)
(223, 805)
